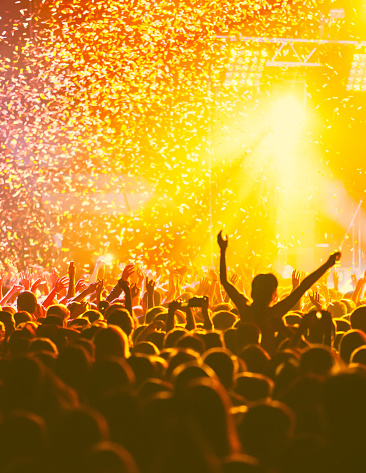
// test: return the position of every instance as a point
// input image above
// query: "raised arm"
(99, 264)
(90, 289)
(150, 287)
(128, 300)
(207, 321)
(190, 324)
(116, 291)
(296, 278)
(236, 296)
(215, 289)
(172, 307)
(61, 284)
(288, 303)
(319, 326)
(15, 289)
(71, 289)
(358, 289)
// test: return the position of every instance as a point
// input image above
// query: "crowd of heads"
(140, 375)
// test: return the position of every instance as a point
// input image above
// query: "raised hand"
(150, 285)
(53, 277)
(296, 278)
(95, 286)
(358, 289)
(16, 289)
(35, 285)
(361, 282)
(204, 287)
(25, 279)
(71, 270)
(100, 261)
(316, 301)
(354, 280)
(135, 290)
(223, 243)
(128, 270)
(174, 305)
(47, 277)
(334, 258)
(234, 278)
(100, 287)
(61, 283)
(80, 285)
(80, 309)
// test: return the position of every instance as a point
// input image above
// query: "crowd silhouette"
(177, 372)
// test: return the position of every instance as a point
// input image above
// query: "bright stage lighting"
(108, 259)
(287, 271)
(287, 114)
(245, 67)
(286, 119)
(357, 76)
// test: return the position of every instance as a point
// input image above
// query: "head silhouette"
(349, 342)
(358, 318)
(224, 363)
(206, 403)
(111, 457)
(121, 318)
(264, 289)
(111, 341)
(27, 301)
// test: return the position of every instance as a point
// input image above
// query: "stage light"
(287, 114)
(357, 76)
(286, 117)
(287, 271)
(245, 67)
(108, 259)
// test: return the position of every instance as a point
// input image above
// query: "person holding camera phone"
(201, 302)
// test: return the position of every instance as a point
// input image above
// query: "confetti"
(121, 115)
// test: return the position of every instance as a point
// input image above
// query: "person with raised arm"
(264, 311)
